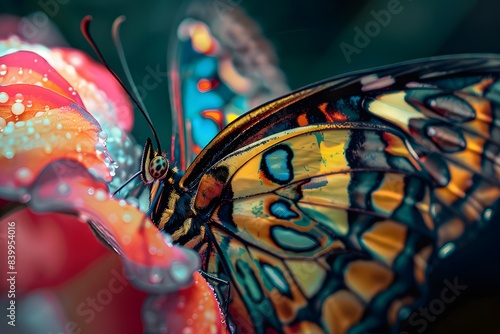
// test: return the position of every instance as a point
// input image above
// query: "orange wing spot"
(302, 120)
(202, 39)
(322, 107)
(367, 278)
(339, 117)
(196, 149)
(386, 240)
(209, 189)
(204, 85)
(341, 310)
(215, 115)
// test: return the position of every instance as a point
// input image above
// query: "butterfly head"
(154, 164)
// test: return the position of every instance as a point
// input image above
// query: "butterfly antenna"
(85, 28)
(126, 182)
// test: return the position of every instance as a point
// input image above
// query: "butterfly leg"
(221, 281)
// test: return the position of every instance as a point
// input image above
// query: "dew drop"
(63, 188)
(155, 276)
(4, 97)
(17, 108)
(100, 195)
(126, 239)
(91, 191)
(68, 135)
(99, 147)
(103, 135)
(29, 104)
(45, 79)
(187, 330)
(3, 69)
(113, 218)
(19, 97)
(20, 72)
(8, 152)
(3, 122)
(24, 175)
(47, 108)
(179, 272)
(127, 217)
(25, 198)
(152, 250)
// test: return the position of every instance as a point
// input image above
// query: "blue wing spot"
(281, 210)
(293, 240)
(276, 277)
(250, 282)
(277, 164)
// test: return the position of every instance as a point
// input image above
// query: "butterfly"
(324, 209)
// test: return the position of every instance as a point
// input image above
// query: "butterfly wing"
(221, 67)
(328, 205)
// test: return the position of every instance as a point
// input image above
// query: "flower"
(64, 146)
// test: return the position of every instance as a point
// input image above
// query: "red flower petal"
(152, 263)
(96, 73)
(29, 68)
(191, 311)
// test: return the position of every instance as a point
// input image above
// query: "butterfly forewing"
(328, 205)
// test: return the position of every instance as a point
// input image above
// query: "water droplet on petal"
(4, 97)
(29, 104)
(126, 239)
(127, 218)
(24, 175)
(187, 330)
(17, 108)
(155, 276)
(179, 272)
(3, 69)
(100, 195)
(19, 97)
(103, 135)
(113, 218)
(91, 191)
(63, 188)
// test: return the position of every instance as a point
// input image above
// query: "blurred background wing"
(221, 67)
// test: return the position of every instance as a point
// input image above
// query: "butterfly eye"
(158, 167)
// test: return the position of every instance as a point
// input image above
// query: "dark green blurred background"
(307, 35)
